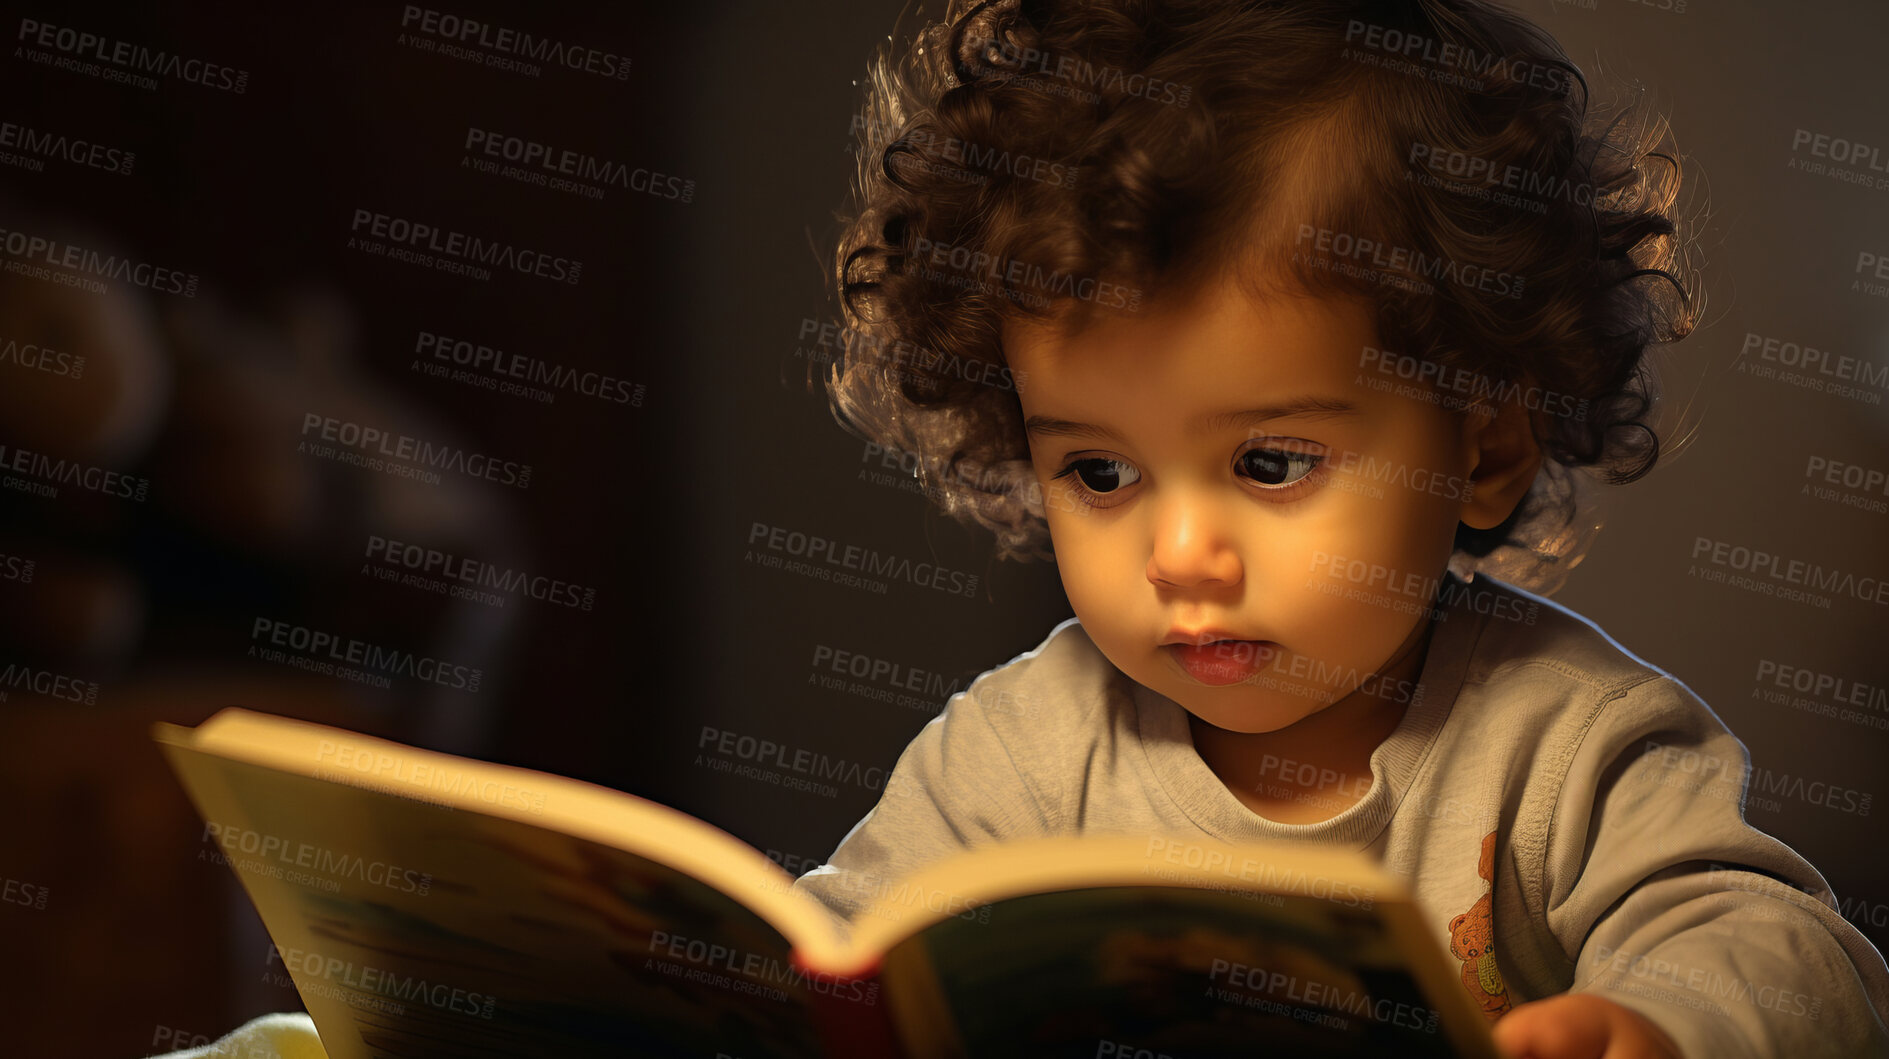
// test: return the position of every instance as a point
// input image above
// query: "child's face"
(1315, 536)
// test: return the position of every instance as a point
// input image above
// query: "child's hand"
(1580, 1026)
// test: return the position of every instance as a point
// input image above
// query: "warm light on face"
(1220, 465)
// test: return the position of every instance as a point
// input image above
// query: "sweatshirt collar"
(1162, 730)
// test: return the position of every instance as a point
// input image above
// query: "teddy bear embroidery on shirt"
(1472, 940)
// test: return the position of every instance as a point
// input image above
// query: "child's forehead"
(1222, 323)
(1302, 359)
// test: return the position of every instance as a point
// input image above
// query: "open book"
(429, 905)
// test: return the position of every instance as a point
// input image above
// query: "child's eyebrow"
(1313, 407)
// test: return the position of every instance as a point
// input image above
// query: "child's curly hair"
(1023, 148)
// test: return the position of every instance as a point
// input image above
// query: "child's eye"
(1278, 468)
(1099, 475)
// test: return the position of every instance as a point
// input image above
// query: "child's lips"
(1221, 662)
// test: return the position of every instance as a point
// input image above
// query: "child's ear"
(1503, 457)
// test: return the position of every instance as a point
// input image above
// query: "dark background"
(702, 304)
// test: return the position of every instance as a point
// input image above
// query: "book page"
(1168, 946)
(474, 924)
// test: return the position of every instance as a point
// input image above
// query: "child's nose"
(1194, 542)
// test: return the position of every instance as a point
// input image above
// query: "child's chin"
(1245, 721)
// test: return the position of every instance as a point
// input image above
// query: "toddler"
(1308, 312)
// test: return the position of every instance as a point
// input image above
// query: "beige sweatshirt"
(1569, 817)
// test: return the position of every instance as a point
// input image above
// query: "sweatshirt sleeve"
(1667, 902)
(956, 786)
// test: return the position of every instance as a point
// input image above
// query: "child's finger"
(1556, 1027)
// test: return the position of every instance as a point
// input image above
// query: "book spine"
(851, 1015)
